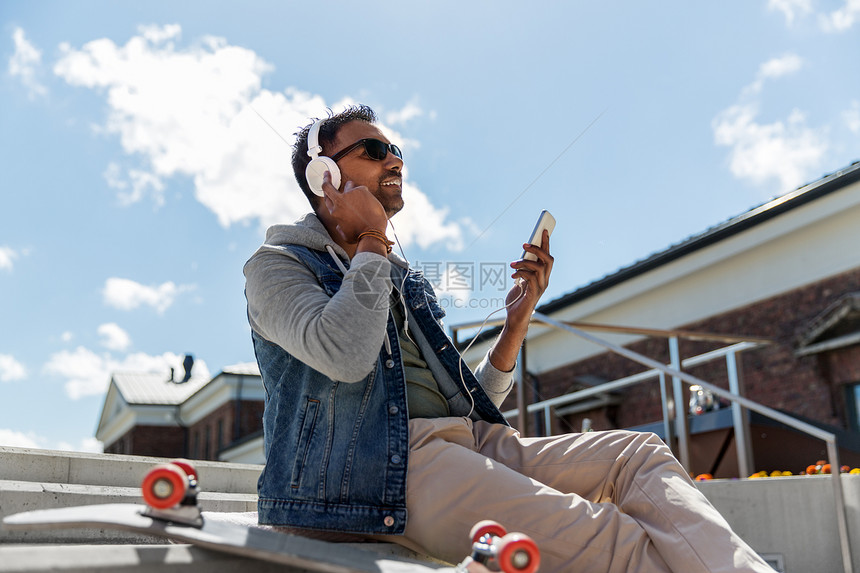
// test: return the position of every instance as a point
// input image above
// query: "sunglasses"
(375, 149)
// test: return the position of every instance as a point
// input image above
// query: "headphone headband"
(314, 147)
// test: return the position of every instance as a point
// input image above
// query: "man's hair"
(328, 132)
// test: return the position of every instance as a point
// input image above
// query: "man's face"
(383, 178)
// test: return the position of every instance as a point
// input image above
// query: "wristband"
(379, 236)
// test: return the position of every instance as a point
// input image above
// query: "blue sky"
(137, 178)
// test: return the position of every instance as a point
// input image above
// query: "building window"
(206, 443)
(195, 444)
(852, 400)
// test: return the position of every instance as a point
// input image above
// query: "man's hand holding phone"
(533, 270)
(532, 278)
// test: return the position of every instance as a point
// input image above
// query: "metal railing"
(681, 432)
(728, 353)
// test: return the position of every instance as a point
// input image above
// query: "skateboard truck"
(512, 552)
(170, 492)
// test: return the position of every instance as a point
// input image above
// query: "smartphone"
(545, 221)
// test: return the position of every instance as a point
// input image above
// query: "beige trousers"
(596, 502)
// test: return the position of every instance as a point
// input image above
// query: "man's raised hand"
(355, 209)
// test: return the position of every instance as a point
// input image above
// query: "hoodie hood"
(309, 232)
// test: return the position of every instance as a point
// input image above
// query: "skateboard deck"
(171, 511)
(224, 536)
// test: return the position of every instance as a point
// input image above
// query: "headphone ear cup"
(315, 171)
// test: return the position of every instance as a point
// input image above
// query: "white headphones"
(319, 163)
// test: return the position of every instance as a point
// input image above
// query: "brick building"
(152, 414)
(787, 271)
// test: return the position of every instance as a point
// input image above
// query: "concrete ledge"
(18, 496)
(48, 466)
(137, 558)
(177, 558)
(790, 516)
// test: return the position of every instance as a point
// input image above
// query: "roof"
(155, 388)
(242, 369)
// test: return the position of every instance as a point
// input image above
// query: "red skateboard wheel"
(518, 553)
(484, 527)
(164, 486)
(185, 465)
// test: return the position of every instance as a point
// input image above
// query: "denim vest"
(336, 452)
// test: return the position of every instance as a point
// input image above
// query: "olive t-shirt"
(422, 392)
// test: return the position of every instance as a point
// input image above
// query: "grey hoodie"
(333, 335)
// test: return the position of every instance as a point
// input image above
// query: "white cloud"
(192, 112)
(842, 19)
(157, 35)
(836, 21)
(88, 373)
(7, 258)
(126, 294)
(410, 111)
(788, 151)
(791, 8)
(15, 439)
(773, 69)
(134, 185)
(114, 337)
(421, 222)
(91, 445)
(11, 369)
(781, 66)
(25, 62)
(67, 336)
(852, 117)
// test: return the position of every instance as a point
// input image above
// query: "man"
(373, 425)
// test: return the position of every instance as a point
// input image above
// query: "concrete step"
(137, 558)
(176, 558)
(49, 466)
(43, 479)
(18, 496)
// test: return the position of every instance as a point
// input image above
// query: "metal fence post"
(668, 432)
(740, 418)
(547, 421)
(839, 499)
(523, 417)
(681, 430)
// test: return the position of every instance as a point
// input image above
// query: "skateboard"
(171, 512)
